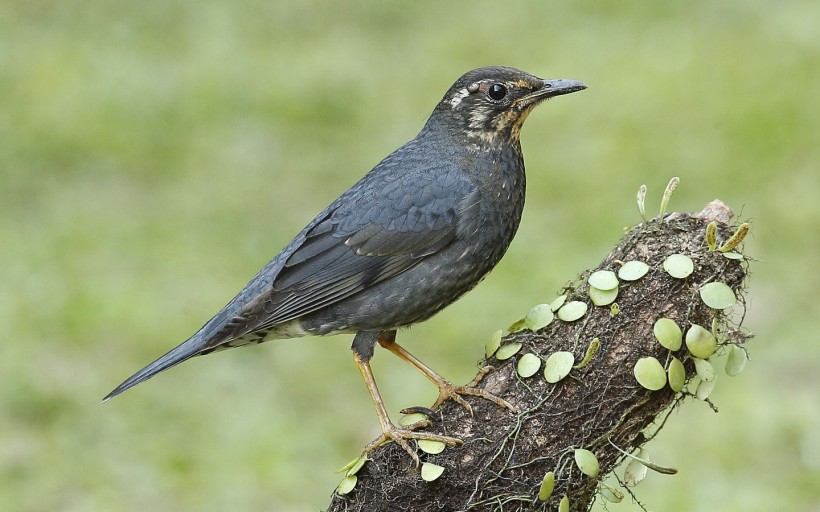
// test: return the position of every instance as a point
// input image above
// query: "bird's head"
(490, 104)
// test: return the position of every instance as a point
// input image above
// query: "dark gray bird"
(412, 236)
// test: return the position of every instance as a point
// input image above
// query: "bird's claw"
(448, 390)
(400, 436)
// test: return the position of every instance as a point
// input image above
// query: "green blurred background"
(154, 155)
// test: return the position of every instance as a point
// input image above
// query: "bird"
(413, 235)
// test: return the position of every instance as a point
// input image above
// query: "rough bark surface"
(504, 457)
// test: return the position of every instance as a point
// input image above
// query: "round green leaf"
(705, 369)
(430, 471)
(346, 485)
(587, 462)
(558, 366)
(668, 333)
(676, 374)
(603, 279)
(517, 326)
(633, 270)
(650, 373)
(572, 311)
(717, 295)
(635, 471)
(700, 342)
(430, 446)
(557, 303)
(603, 297)
(705, 389)
(528, 365)
(539, 317)
(547, 485)
(678, 265)
(563, 506)
(736, 360)
(507, 351)
(409, 419)
(493, 344)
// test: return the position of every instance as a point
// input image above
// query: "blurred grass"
(154, 155)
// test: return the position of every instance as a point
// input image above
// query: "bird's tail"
(181, 353)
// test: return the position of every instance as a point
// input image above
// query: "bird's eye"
(497, 92)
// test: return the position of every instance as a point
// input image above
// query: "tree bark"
(505, 456)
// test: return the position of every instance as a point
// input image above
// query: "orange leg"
(387, 339)
(389, 431)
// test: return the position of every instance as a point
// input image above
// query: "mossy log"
(597, 407)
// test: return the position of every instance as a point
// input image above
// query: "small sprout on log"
(430, 471)
(429, 446)
(668, 333)
(587, 462)
(556, 304)
(563, 506)
(650, 373)
(547, 486)
(704, 369)
(676, 374)
(641, 199)
(507, 351)
(678, 266)
(558, 366)
(711, 236)
(651, 465)
(357, 463)
(572, 311)
(528, 365)
(614, 309)
(635, 470)
(493, 344)
(603, 280)
(736, 238)
(700, 342)
(603, 297)
(667, 194)
(736, 360)
(717, 295)
(346, 485)
(610, 493)
(539, 317)
(592, 349)
(633, 270)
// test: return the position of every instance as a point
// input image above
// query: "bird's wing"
(372, 234)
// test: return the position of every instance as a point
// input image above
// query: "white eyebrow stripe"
(456, 99)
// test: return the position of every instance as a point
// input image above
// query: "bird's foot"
(401, 436)
(448, 390)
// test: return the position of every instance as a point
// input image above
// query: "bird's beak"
(551, 88)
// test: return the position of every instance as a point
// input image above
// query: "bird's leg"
(362, 351)
(446, 389)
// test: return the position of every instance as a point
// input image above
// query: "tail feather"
(181, 353)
